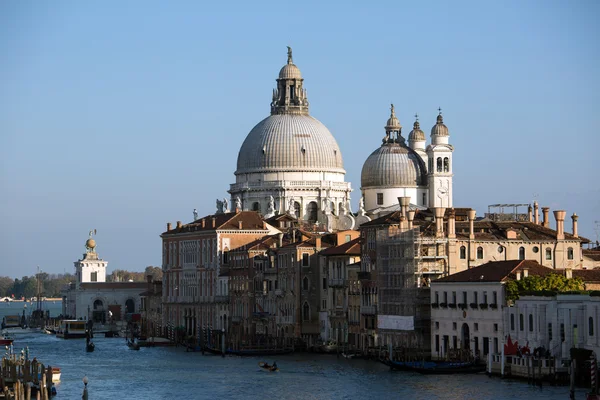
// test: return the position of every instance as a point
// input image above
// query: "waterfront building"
(413, 246)
(467, 308)
(194, 257)
(90, 297)
(557, 323)
(151, 308)
(290, 162)
(336, 262)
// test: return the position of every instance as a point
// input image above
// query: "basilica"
(291, 163)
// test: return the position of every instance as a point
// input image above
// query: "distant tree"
(550, 283)
(6, 285)
(156, 272)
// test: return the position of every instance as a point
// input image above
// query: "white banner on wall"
(396, 322)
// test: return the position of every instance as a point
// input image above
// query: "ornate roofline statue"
(290, 60)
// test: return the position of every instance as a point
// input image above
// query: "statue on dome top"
(290, 60)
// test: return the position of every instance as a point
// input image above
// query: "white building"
(290, 162)
(91, 297)
(467, 307)
(396, 169)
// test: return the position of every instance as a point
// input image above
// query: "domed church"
(290, 162)
(397, 169)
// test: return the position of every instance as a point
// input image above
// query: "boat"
(154, 341)
(89, 347)
(443, 368)
(259, 352)
(329, 347)
(71, 329)
(406, 365)
(55, 374)
(6, 339)
(133, 345)
(13, 321)
(270, 368)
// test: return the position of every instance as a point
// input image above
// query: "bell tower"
(90, 268)
(290, 96)
(439, 171)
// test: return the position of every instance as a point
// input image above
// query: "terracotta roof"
(263, 243)
(251, 220)
(349, 248)
(498, 271)
(592, 254)
(587, 275)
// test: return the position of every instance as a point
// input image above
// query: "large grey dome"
(393, 165)
(288, 142)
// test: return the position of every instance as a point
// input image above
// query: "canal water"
(116, 372)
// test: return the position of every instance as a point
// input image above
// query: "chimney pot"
(452, 224)
(536, 213)
(530, 212)
(575, 217)
(203, 223)
(472, 214)
(214, 222)
(280, 239)
(168, 226)
(318, 242)
(545, 220)
(178, 224)
(525, 272)
(559, 215)
(240, 225)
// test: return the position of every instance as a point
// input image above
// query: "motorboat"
(71, 329)
(268, 367)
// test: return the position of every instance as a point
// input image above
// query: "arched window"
(306, 312)
(256, 206)
(521, 322)
(591, 326)
(439, 164)
(129, 306)
(463, 252)
(98, 305)
(480, 253)
(305, 283)
(548, 253)
(570, 253)
(530, 322)
(446, 164)
(311, 211)
(512, 322)
(521, 253)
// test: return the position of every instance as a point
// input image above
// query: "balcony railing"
(368, 310)
(338, 282)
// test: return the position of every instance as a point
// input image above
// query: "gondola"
(89, 347)
(268, 367)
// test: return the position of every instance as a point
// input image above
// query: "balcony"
(338, 283)
(362, 275)
(221, 299)
(368, 310)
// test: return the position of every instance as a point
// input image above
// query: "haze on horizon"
(123, 117)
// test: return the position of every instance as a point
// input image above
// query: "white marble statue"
(225, 205)
(195, 214)
(219, 207)
(238, 203)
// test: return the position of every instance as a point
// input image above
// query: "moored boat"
(55, 374)
(71, 329)
(155, 342)
(268, 367)
(6, 339)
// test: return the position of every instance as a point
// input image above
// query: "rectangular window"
(94, 277)
(379, 199)
(437, 343)
(549, 331)
(495, 327)
(475, 299)
(276, 284)
(437, 324)
(454, 342)
(446, 297)
(424, 201)
(476, 326)
(495, 297)
(324, 304)
(454, 326)
(324, 283)
(485, 297)
(305, 259)
(562, 332)
(437, 297)
(348, 238)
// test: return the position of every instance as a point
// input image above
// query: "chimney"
(214, 222)
(178, 224)
(403, 225)
(518, 275)
(452, 224)
(536, 213)
(439, 221)
(203, 223)
(525, 272)
(264, 225)
(411, 218)
(280, 240)
(530, 212)
(168, 226)
(240, 225)
(568, 273)
(318, 242)
(545, 221)
(472, 214)
(404, 204)
(559, 215)
(575, 217)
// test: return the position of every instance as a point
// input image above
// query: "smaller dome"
(290, 71)
(439, 129)
(90, 243)
(393, 124)
(416, 134)
(393, 165)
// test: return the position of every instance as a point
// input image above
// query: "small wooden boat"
(133, 345)
(268, 367)
(89, 347)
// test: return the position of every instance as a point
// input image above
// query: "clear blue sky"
(122, 116)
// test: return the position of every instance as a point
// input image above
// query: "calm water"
(115, 372)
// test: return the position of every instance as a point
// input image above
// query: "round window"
(500, 249)
(536, 249)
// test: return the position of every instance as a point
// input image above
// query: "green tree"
(549, 283)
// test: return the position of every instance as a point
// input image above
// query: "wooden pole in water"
(572, 380)
(28, 392)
